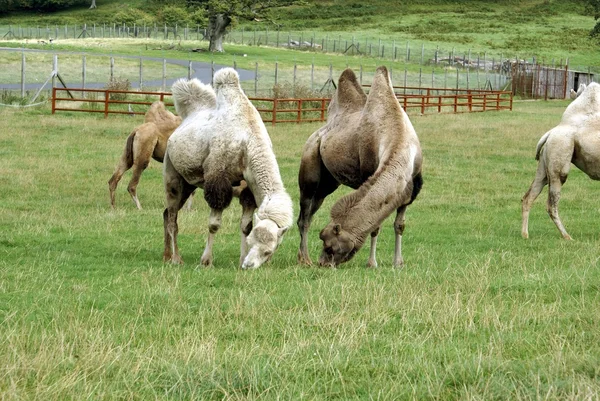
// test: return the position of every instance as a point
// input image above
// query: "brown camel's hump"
(349, 96)
(382, 105)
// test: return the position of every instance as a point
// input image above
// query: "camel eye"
(329, 250)
(267, 253)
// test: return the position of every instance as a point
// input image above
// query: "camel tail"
(192, 95)
(540, 145)
(128, 154)
(218, 191)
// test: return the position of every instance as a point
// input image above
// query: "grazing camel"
(576, 139)
(368, 144)
(222, 141)
(146, 141)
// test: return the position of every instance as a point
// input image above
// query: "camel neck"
(363, 210)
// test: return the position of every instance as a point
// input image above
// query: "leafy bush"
(171, 15)
(133, 16)
(118, 84)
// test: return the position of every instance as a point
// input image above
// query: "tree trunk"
(217, 25)
(93, 4)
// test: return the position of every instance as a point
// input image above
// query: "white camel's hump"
(226, 76)
(192, 95)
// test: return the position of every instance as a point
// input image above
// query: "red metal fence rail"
(274, 111)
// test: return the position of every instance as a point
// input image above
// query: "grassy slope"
(549, 30)
(88, 310)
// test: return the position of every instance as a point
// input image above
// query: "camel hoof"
(399, 264)
(206, 261)
(567, 237)
(174, 260)
(371, 264)
(304, 261)
(525, 235)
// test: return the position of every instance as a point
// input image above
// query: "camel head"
(271, 222)
(338, 245)
(262, 242)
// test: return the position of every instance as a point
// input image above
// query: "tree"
(593, 7)
(222, 14)
(93, 4)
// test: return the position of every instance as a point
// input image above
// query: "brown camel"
(368, 144)
(146, 141)
(575, 140)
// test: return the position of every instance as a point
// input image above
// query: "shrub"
(118, 84)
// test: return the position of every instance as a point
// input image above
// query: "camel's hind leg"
(538, 184)
(399, 223)
(372, 262)
(177, 192)
(125, 164)
(555, 186)
(142, 152)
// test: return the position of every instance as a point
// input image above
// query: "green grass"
(89, 310)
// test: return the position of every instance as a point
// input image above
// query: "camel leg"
(142, 152)
(138, 169)
(248, 207)
(372, 262)
(114, 181)
(399, 230)
(125, 164)
(552, 205)
(177, 192)
(539, 182)
(214, 223)
(315, 182)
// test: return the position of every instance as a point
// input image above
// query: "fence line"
(302, 109)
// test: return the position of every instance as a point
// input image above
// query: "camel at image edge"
(146, 141)
(576, 139)
(369, 144)
(221, 142)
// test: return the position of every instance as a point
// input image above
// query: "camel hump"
(226, 76)
(156, 112)
(349, 95)
(381, 96)
(192, 95)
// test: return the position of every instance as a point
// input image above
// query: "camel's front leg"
(372, 262)
(399, 230)
(177, 192)
(248, 207)
(214, 223)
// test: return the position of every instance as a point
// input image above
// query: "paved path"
(200, 70)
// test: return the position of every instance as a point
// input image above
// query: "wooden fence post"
(22, 74)
(83, 71)
(53, 100)
(141, 73)
(106, 96)
(274, 120)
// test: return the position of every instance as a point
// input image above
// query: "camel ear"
(337, 229)
(282, 231)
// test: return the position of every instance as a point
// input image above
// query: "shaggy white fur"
(218, 144)
(190, 96)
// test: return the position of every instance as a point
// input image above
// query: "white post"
(22, 74)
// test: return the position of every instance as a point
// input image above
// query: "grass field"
(89, 311)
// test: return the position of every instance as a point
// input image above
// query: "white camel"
(220, 142)
(575, 140)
